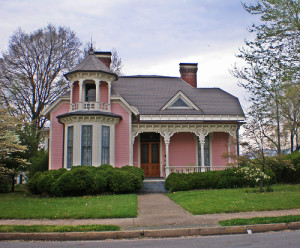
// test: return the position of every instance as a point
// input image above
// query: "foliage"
(260, 220)
(229, 178)
(11, 160)
(32, 70)
(86, 180)
(271, 72)
(76, 182)
(55, 228)
(121, 181)
(285, 167)
(5, 182)
(39, 162)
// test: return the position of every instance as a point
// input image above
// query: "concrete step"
(153, 186)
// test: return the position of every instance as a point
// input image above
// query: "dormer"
(90, 83)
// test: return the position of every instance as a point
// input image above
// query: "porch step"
(153, 186)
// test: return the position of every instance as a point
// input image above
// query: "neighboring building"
(158, 123)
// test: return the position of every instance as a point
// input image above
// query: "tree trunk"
(12, 183)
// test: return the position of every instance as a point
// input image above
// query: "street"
(289, 239)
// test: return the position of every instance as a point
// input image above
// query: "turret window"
(90, 93)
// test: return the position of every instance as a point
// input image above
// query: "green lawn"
(260, 220)
(21, 206)
(54, 228)
(237, 200)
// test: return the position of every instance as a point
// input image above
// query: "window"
(179, 103)
(105, 145)
(86, 144)
(206, 152)
(90, 93)
(70, 147)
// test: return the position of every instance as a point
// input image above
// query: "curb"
(162, 233)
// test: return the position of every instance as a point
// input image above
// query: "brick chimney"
(188, 73)
(104, 57)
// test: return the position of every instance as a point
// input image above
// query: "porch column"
(133, 135)
(228, 147)
(97, 83)
(201, 135)
(71, 95)
(167, 136)
(109, 94)
(80, 94)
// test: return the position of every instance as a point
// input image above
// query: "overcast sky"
(151, 36)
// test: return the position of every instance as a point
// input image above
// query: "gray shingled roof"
(91, 64)
(149, 94)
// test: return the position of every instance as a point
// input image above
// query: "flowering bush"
(253, 174)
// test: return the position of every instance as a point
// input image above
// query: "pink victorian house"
(161, 124)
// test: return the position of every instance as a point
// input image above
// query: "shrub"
(100, 182)
(178, 182)
(76, 182)
(138, 172)
(121, 181)
(47, 178)
(230, 178)
(38, 163)
(32, 183)
(5, 183)
(105, 167)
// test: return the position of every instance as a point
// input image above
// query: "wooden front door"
(150, 159)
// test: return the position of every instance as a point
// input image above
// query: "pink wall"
(219, 147)
(103, 92)
(182, 150)
(75, 92)
(57, 141)
(121, 136)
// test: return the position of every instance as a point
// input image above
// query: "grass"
(237, 200)
(18, 205)
(54, 228)
(260, 220)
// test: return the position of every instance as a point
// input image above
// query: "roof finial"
(91, 47)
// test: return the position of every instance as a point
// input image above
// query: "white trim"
(139, 150)
(161, 155)
(181, 95)
(126, 104)
(131, 140)
(192, 118)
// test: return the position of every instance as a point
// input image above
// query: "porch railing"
(100, 106)
(192, 169)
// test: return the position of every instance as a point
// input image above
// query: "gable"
(180, 101)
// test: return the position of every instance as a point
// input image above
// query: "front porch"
(181, 147)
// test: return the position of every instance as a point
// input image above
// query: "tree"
(11, 160)
(272, 63)
(31, 71)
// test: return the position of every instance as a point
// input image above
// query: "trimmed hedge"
(230, 178)
(87, 180)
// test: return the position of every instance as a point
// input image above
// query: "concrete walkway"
(157, 211)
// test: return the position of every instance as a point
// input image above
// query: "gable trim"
(180, 95)
(132, 109)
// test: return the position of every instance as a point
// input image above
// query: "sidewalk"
(158, 217)
(156, 211)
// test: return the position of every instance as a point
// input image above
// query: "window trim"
(91, 145)
(105, 148)
(69, 163)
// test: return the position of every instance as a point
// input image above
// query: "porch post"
(228, 147)
(97, 83)
(201, 135)
(80, 94)
(71, 95)
(167, 136)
